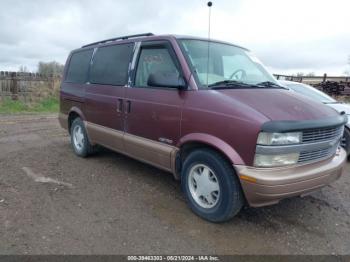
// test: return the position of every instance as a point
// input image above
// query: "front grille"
(316, 155)
(331, 134)
(322, 134)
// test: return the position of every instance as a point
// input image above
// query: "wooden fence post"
(52, 81)
(14, 86)
(324, 77)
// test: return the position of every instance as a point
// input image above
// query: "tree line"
(55, 68)
(46, 68)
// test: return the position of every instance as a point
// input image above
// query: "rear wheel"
(211, 186)
(79, 139)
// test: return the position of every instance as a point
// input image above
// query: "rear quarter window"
(79, 66)
(110, 65)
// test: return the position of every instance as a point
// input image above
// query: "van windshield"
(226, 63)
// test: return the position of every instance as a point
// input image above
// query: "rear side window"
(110, 65)
(78, 66)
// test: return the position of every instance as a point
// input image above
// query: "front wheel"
(346, 141)
(211, 186)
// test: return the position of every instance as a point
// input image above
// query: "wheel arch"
(74, 112)
(199, 140)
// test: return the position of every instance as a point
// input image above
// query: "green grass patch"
(48, 105)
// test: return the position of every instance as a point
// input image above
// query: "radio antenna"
(209, 6)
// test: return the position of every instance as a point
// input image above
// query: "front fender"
(215, 142)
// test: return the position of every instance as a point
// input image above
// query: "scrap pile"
(334, 88)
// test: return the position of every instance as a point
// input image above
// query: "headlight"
(275, 160)
(271, 139)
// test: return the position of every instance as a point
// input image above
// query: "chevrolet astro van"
(206, 111)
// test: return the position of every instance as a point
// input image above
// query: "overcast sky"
(289, 36)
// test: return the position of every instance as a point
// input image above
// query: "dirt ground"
(52, 202)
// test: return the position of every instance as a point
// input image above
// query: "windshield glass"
(226, 62)
(311, 92)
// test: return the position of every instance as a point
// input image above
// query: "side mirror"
(166, 79)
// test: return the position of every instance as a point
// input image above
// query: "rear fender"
(77, 110)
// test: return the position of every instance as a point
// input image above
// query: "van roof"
(135, 37)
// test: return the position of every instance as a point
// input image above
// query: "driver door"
(153, 115)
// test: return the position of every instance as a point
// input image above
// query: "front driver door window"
(153, 60)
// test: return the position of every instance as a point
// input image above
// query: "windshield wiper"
(335, 102)
(226, 84)
(269, 84)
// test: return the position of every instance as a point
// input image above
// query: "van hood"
(279, 104)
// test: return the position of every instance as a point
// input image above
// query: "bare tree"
(300, 74)
(50, 68)
(310, 74)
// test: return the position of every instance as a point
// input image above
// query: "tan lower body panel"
(105, 136)
(142, 149)
(149, 151)
(266, 186)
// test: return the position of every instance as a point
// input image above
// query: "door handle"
(120, 105)
(128, 106)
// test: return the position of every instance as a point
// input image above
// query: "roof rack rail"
(118, 38)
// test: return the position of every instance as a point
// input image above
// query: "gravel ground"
(52, 202)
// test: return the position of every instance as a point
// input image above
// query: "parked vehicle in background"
(319, 96)
(222, 125)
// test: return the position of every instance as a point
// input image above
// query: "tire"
(79, 139)
(346, 141)
(225, 199)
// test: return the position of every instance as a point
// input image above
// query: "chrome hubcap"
(78, 138)
(204, 186)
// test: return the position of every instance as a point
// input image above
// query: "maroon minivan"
(208, 112)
